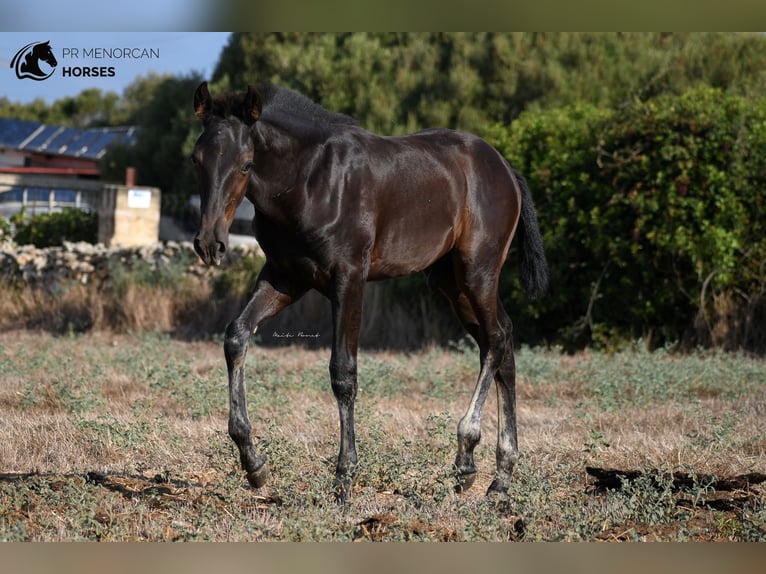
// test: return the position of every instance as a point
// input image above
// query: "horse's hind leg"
(469, 427)
(467, 295)
(267, 300)
(507, 452)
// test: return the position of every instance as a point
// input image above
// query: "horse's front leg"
(271, 295)
(347, 313)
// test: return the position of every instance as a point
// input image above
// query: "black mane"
(286, 109)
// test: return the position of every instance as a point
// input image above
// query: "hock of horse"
(337, 206)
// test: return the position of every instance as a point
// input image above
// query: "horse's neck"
(279, 193)
(280, 202)
(31, 64)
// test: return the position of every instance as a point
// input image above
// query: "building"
(48, 167)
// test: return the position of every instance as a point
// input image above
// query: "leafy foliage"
(238, 279)
(51, 229)
(89, 108)
(399, 82)
(644, 208)
(5, 229)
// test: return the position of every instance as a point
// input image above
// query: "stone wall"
(87, 263)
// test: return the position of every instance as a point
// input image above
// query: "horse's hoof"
(465, 481)
(258, 477)
(498, 488)
(342, 490)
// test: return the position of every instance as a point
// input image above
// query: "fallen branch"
(607, 478)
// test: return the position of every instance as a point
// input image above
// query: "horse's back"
(434, 191)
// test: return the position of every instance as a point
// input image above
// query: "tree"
(652, 215)
(161, 107)
(399, 82)
(90, 108)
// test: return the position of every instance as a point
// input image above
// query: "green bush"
(5, 229)
(237, 280)
(52, 229)
(649, 213)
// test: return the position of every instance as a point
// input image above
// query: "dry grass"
(122, 437)
(171, 301)
(81, 308)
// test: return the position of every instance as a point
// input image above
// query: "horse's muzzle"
(210, 248)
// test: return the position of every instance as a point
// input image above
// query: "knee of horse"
(343, 378)
(235, 340)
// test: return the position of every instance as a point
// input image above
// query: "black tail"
(534, 267)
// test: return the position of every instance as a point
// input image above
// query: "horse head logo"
(27, 61)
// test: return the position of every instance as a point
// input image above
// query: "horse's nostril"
(221, 248)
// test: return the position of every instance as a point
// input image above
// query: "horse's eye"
(247, 167)
(193, 159)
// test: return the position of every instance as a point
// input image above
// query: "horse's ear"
(202, 100)
(252, 105)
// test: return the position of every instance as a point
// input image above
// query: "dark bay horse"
(336, 206)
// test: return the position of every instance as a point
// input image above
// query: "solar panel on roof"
(40, 141)
(81, 143)
(99, 144)
(14, 132)
(60, 142)
(128, 136)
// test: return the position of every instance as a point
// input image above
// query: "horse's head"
(43, 52)
(223, 156)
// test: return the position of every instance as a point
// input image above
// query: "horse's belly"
(410, 246)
